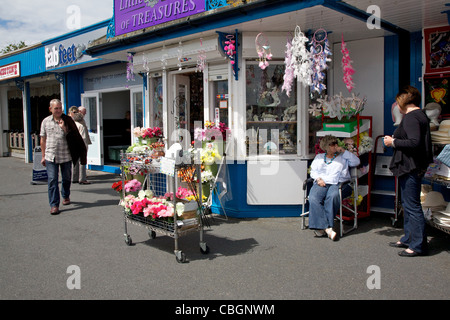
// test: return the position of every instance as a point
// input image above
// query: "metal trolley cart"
(164, 176)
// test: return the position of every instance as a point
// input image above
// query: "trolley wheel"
(204, 249)
(152, 234)
(181, 257)
(128, 240)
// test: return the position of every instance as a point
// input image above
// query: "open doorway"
(116, 125)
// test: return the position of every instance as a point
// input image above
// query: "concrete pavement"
(269, 258)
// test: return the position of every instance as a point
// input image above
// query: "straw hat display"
(442, 218)
(442, 135)
(434, 201)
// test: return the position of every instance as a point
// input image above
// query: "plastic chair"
(353, 210)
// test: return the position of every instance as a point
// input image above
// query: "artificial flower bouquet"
(338, 106)
(211, 132)
(154, 208)
(146, 136)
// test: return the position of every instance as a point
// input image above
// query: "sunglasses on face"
(332, 143)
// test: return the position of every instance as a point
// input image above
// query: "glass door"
(181, 110)
(93, 119)
(137, 109)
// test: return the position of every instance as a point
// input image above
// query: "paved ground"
(249, 258)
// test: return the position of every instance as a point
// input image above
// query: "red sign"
(10, 71)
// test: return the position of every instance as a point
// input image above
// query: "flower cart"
(153, 204)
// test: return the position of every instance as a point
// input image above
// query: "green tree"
(12, 47)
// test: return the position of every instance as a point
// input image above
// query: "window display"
(271, 114)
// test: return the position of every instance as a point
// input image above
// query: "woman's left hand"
(340, 149)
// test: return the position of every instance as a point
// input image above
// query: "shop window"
(271, 115)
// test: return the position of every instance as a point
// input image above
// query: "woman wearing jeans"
(412, 155)
(328, 170)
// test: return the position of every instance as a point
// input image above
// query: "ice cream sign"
(133, 15)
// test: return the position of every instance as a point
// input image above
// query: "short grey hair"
(55, 101)
(326, 140)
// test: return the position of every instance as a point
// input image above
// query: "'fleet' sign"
(133, 15)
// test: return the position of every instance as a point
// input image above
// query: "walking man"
(60, 144)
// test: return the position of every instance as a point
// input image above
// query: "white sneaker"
(331, 234)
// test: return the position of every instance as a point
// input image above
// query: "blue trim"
(354, 12)
(78, 32)
(391, 80)
(28, 124)
(80, 64)
(110, 169)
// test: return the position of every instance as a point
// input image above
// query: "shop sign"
(133, 15)
(10, 71)
(55, 56)
(70, 51)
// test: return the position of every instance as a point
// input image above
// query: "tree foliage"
(12, 47)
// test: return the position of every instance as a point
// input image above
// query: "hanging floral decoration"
(301, 58)
(320, 50)
(230, 48)
(164, 57)
(289, 71)
(201, 58)
(180, 55)
(145, 63)
(130, 67)
(263, 50)
(347, 67)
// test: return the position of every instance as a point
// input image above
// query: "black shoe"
(404, 253)
(398, 245)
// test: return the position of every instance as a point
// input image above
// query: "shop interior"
(116, 124)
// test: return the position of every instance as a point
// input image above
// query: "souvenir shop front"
(247, 66)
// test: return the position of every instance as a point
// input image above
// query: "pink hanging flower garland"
(347, 67)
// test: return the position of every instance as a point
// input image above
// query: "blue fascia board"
(78, 32)
(224, 19)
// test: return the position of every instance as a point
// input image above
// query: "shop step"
(383, 210)
(383, 192)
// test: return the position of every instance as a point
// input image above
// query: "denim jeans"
(414, 220)
(53, 176)
(324, 204)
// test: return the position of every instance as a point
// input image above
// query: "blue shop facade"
(133, 64)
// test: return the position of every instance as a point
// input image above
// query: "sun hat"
(434, 199)
(446, 211)
(444, 128)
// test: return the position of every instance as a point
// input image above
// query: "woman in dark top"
(412, 154)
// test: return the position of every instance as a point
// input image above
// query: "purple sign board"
(132, 15)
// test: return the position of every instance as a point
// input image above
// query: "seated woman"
(328, 170)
